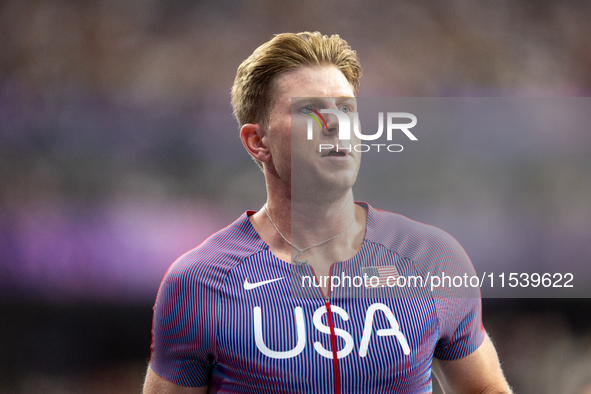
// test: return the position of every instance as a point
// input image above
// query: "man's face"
(297, 160)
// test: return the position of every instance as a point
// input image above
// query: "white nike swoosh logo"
(250, 286)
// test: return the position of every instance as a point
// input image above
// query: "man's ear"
(254, 138)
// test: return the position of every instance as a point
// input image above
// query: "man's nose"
(332, 123)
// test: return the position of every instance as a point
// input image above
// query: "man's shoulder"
(219, 253)
(409, 238)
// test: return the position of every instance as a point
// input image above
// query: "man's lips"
(337, 153)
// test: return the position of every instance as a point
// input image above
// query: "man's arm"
(479, 372)
(155, 384)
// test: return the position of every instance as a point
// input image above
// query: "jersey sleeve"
(461, 330)
(458, 305)
(185, 324)
(442, 262)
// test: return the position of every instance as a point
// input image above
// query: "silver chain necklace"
(300, 251)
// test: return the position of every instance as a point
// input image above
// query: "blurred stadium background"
(118, 153)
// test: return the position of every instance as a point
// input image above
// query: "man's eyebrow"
(308, 99)
(298, 100)
(348, 100)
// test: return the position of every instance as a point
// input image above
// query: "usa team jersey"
(231, 316)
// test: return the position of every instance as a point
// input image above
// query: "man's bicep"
(479, 372)
(156, 384)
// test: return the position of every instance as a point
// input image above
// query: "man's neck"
(341, 223)
(305, 223)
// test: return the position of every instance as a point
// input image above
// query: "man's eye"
(307, 110)
(345, 108)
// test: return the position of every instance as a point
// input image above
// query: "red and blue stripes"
(205, 327)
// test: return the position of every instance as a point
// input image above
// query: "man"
(234, 314)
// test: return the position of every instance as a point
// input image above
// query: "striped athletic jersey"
(230, 315)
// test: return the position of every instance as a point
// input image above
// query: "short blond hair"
(252, 94)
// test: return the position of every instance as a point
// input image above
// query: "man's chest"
(274, 331)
